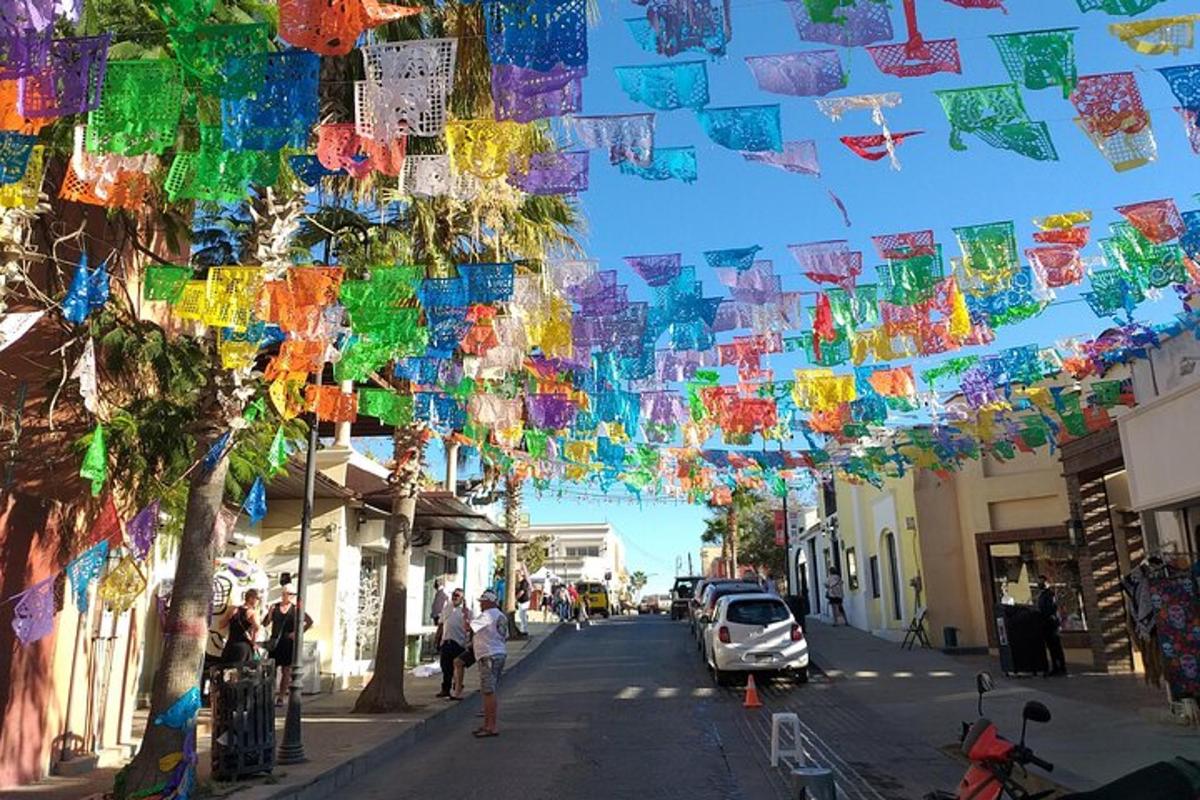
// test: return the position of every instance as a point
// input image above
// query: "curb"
(341, 775)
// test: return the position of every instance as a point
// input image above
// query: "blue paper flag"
(747, 128)
(84, 569)
(76, 305)
(255, 505)
(214, 453)
(666, 86)
(666, 163)
(182, 710)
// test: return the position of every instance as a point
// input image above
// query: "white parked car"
(754, 633)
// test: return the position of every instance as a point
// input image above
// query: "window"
(1015, 567)
(852, 569)
(875, 577)
(582, 552)
(757, 612)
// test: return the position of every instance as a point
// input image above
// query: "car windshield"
(721, 590)
(756, 612)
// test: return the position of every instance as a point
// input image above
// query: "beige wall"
(1160, 450)
(333, 573)
(945, 563)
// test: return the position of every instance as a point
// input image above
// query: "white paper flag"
(85, 371)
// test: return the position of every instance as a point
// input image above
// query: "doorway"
(889, 543)
(816, 579)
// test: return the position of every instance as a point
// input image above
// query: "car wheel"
(723, 677)
(800, 675)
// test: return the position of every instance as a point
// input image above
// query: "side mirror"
(1035, 712)
(984, 683)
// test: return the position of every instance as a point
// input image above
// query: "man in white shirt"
(489, 640)
(451, 638)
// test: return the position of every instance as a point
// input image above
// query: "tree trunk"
(512, 522)
(385, 692)
(732, 534)
(186, 628)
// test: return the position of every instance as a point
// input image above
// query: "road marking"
(629, 693)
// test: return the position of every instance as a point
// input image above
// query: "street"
(624, 708)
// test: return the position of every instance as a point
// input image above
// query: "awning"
(441, 510)
(289, 484)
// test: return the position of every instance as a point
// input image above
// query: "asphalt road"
(621, 709)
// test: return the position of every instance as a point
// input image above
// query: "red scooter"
(994, 760)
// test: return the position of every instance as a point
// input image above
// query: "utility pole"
(788, 562)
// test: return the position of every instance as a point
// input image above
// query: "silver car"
(754, 633)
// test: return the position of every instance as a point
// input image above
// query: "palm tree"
(637, 582)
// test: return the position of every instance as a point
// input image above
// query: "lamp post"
(291, 749)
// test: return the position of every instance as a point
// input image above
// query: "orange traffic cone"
(752, 700)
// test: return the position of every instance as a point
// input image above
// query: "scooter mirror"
(984, 682)
(1035, 712)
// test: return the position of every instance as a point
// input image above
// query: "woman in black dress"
(243, 631)
(282, 621)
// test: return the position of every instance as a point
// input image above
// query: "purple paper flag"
(809, 74)
(142, 530)
(553, 173)
(799, 157)
(553, 411)
(656, 270)
(33, 614)
(523, 95)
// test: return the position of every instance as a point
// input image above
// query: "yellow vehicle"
(594, 597)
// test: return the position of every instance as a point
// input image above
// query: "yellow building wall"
(867, 514)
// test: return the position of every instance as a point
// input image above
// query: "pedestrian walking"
(439, 601)
(281, 644)
(835, 593)
(451, 639)
(523, 595)
(1047, 605)
(562, 603)
(243, 630)
(489, 631)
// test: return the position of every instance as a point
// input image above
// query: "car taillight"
(797, 633)
(723, 634)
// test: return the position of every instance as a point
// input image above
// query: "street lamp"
(291, 749)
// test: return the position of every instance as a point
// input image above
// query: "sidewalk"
(1103, 726)
(339, 745)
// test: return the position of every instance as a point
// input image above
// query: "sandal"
(482, 734)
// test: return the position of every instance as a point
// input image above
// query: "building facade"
(581, 551)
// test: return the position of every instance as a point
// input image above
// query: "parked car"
(648, 604)
(754, 633)
(664, 603)
(708, 605)
(594, 597)
(681, 595)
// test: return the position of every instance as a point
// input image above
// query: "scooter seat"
(1166, 780)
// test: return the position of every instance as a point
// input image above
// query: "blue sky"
(735, 203)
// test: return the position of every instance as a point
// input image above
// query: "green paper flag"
(997, 115)
(386, 406)
(1039, 59)
(165, 283)
(278, 454)
(254, 409)
(95, 461)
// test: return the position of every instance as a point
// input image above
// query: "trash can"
(950, 637)
(243, 719)
(1019, 632)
